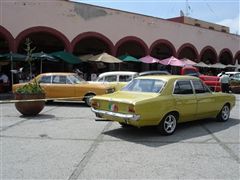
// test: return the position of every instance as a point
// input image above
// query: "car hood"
(126, 97)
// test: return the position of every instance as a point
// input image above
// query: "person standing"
(224, 80)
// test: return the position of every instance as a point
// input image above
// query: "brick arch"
(211, 49)
(39, 29)
(132, 38)
(237, 57)
(226, 50)
(163, 41)
(8, 36)
(93, 35)
(188, 45)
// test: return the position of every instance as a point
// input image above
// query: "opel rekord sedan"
(163, 101)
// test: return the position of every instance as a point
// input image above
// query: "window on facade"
(183, 87)
(212, 28)
(197, 24)
(223, 30)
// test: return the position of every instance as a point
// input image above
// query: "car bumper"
(125, 117)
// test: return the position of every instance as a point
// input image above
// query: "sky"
(223, 12)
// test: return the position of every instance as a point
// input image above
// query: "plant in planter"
(235, 86)
(30, 91)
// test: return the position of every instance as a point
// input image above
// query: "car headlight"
(110, 90)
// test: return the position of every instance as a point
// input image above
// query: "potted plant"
(29, 93)
(235, 86)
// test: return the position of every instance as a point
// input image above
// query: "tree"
(29, 57)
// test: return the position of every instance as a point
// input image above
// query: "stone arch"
(225, 56)
(208, 55)
(131, 45)
(92, 43)
(55, 39)
(162, 49)
(189, 51)
(6, 40)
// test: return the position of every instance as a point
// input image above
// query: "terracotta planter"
(235, 89)
(29, 108)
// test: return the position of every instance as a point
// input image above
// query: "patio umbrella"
(201, 64)
(105, 57)
(127, 58)
(218, 66)
(149, 59)
(13, 57)
(85, 57)
(188, 62)
(67, 57)
(43, 56)
(172, 61)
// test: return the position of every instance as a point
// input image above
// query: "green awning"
(67, 57)
(12, 57)
(127, 58)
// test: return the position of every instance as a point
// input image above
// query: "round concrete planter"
(29, 108)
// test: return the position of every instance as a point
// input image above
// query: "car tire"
(224, 114)
(168, 124)
(124, 125)
(87, 99)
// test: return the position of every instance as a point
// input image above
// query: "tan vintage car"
(69, 86)
(163, 101)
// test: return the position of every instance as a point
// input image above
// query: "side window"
(59, 79)
(45, 79)
(199, 87)
(125, 78)
(101, 79)
(183, 87)
(110, 78)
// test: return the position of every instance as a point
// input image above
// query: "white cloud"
(233, 24)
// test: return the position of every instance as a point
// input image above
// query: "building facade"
(86, 29)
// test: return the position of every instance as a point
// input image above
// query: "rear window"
(145, 85)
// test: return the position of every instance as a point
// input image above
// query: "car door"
(186, 102)
(205, 100)
(61, 87)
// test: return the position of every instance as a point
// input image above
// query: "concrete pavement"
(64, 142)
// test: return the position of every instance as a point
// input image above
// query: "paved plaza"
(65, 142)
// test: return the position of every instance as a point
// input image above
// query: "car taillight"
(131, 109)
(95, 104)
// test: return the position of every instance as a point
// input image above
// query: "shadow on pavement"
(149, 136)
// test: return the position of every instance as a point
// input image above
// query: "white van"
(117, 78)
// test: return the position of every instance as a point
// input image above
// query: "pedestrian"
(224, 80)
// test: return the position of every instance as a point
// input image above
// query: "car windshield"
(75, 79)
(145, 85)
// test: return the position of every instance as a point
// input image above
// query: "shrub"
(30, 88)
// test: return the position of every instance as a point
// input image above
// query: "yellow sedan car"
(163, 101)
(68, 86)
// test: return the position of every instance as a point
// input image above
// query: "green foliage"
(29, 51)
(30, 88)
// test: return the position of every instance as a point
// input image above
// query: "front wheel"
(168, 124)
(224, 114)
(87, 99)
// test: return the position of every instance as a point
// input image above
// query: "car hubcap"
(225, 113)
(170, 124)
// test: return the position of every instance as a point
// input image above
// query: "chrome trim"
(133, 117)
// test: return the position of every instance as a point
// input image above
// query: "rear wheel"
(224, 113)
(168, 124)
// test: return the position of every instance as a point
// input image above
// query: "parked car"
(163, 101)
(147, 73)
(118, 79)
(69, 86)
(234, 75)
